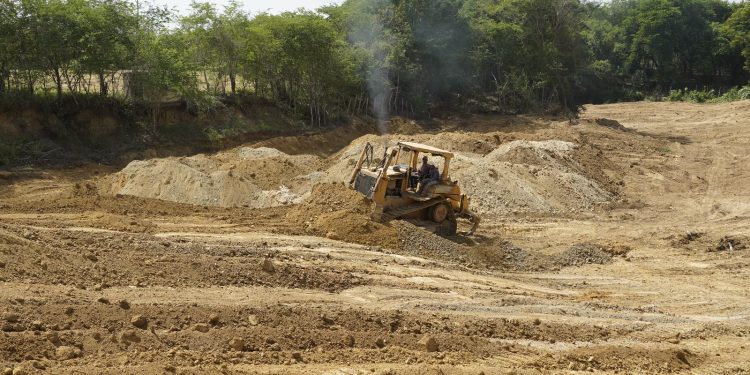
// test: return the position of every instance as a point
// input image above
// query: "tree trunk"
(58, 83)
(205, 78)
(233, 82)
(30, 82)
(103, 87)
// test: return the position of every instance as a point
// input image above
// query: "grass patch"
(709, 96)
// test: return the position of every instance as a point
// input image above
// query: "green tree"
(737, 30)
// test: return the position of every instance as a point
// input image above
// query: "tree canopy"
(413, 57)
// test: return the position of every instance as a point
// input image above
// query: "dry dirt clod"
(19, 371)
(8, 371)
(11, 317)
(237, 343)
(103, 300)
(297, 356)
(253, 320)
(268, 266)
(214, 320)
(37, 325)
(124, 304)
(428, 343)
(130, 336)
(380, 343)
(52, 337)
(348, 341)
(201, 327)
(139, 321)
(65, 353)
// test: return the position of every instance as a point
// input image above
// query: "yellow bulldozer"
(400, 189)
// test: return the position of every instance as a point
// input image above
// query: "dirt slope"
(616, 245)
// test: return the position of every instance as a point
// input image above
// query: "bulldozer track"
(395, 213)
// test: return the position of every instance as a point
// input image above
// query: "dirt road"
(616, 245)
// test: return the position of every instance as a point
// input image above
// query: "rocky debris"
(428, 343)
(139, 321)
(103, 300)
(7, 371)
(65, 353)
(297, 356)
(730, 243)
(237, 343)
(201, 327)
(581, 254)
(415, 240)
(124, 304)
(267, 265)
(19, 370)
(253, 320)
(687, 238)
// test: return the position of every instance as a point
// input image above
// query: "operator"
(428, 174)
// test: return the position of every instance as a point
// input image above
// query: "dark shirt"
(424, 170)
(429, 171)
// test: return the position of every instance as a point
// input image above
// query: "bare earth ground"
(653, 281)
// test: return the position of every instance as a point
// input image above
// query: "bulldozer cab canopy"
(411, 146)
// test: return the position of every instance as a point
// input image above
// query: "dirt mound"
(502, 176)
(251, 177)
(337, 212)
(609, 123)
(542, 177)
(582, 254)
(417, 241)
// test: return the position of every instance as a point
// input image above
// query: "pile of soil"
(541, 177)
(502, 176)
(417, 241)
(249, 177)
(337, 212)
(581, 254)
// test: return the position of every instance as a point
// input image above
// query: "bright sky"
(256, 6)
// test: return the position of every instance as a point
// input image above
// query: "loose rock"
(237, 343)
(253, 320)
(65, 353)
(130, 336)
(268, 266)
(11, 317)
(428, 343)
(201, 327)
(139, 321)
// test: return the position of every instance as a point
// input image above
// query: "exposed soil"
(613, 245)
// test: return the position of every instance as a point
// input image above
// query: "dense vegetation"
(411, 57)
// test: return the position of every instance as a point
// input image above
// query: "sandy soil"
(615, 245)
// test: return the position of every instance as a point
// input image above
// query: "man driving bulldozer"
(428, 174)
